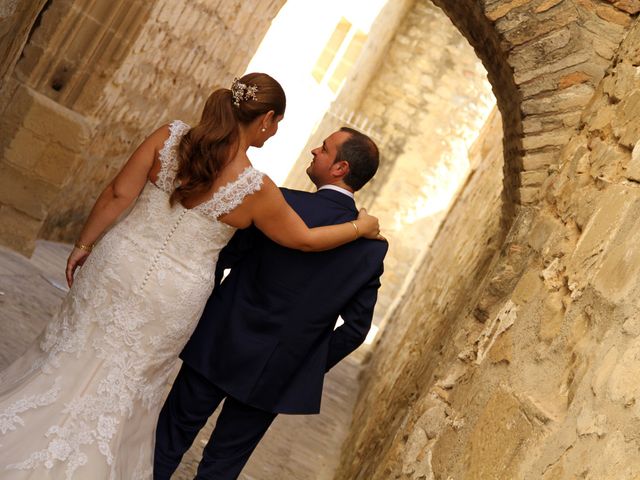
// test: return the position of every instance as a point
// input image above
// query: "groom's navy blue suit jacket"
(267, 336)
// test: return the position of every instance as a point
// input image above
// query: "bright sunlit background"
(310, 49)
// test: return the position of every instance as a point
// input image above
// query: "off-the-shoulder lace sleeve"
(168, 155)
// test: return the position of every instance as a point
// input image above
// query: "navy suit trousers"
(190, 403)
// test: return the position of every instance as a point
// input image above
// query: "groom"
(266, 337)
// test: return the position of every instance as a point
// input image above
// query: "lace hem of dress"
(9, 419)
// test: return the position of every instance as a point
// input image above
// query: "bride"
(83, 401)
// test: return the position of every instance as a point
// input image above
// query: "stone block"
(556, 138)
(525, 28)
(625, 122)
(503, 8)
(549, 48)
(611, 211)
(630, 48)
(633, 168)
(56, 165)
(539, 161)
(24, 149)
(551, 317)
(533, 178)
(606, 160)
(499, 437)
(18, 231)
(590, 423)
(626, 80)
(631, 326)
(529, 195)
(49, 121)
(629, 6)
(546, 68)
(568, 99)
(622, 385)
(502, 351)
(535, 123)
(541, 232)
(603, 371)
(25, 192)
(618, 278)
(611, 14)
(618, 459)
(547, 5)
(601, 117)
(573, 78)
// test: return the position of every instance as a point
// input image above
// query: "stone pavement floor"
(294, 448)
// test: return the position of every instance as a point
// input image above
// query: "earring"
(263, 129)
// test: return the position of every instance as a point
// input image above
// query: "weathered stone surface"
(539, 161)
(498, 438)
(529, 195)
(633, 168)
(624, 123)
(533, 178)
(613, 211)
(557, 138)
(16, 228)
(552, 317)
(620, 269)
(26, 193)
(561, 375)
(591, 424)
(567, 99)
(629, 6)
(621, 385)
(546, 5)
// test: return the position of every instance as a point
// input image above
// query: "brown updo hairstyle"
(207, 148)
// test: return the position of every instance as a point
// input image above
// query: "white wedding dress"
(83, 401)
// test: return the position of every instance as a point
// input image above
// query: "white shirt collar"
(337, 189)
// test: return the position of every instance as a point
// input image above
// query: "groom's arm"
(357, 316)
(241, 242)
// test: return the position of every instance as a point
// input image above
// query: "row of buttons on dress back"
(156, 257)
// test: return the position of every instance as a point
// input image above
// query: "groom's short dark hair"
(362, 155)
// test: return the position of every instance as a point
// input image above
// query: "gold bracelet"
(82, 246)
(356, 228)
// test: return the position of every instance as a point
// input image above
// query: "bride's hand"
(76, 259)
(368, 225)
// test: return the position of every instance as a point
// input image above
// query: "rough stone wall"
(533, 374)
(93, 79)
(16, 20)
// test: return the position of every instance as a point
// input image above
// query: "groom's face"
(323, 170)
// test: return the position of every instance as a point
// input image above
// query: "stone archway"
(544, 59)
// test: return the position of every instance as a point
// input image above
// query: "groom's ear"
(340, 169)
